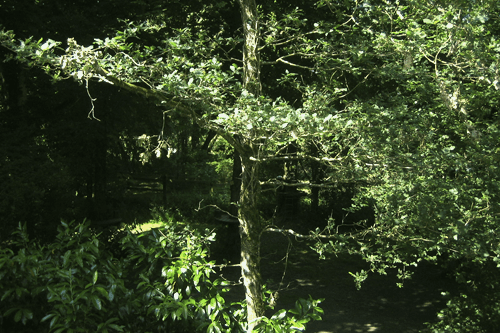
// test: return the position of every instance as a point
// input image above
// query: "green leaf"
(94, 280)
(220, 299)
(102, 291)
(20, 291)
(111, 293)
(213, 303)
(180, 312)
(27, 313)
(48, 44)
(279, 315)
(66, 257)
(18, 315)
(96, 301)
(47, 317)
(7, 294)
(116, 327)
(79, 261)
(226, 317)
(298, 326)
(214, 327)
(53, 321)
(8, 312)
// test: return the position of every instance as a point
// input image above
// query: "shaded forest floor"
(380, 306)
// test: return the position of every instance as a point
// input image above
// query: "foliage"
(399, 98)
(68, 285)
(425, 144)
(161, 281)
(58, 164)
(291, 320)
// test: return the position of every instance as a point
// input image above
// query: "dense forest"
(366, 127)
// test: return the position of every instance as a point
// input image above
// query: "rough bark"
(251, 58)
(250, 223)
(250, 231)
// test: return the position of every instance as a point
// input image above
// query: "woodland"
(369, 128)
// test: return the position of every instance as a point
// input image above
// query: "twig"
(216, 207)
(293, 233)
(91, 112)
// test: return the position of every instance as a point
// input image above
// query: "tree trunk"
(250, 231)
(248, 214)
(251, 58)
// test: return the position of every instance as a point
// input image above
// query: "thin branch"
(324, 160)
(282, 59)
(287, 39)
(216, 207)
(295, 158)
(320, 185)
(361, 82)
(293, 233)
(421, 239)
(224, 266)
(292, 64)
(91, 112)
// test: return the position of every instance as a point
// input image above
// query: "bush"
(161, 283)
(69, 285)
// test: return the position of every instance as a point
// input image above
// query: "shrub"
(162, 283)
(69, 285)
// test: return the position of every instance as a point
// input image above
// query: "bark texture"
(251, 58)
(250, 231)
(248, 214)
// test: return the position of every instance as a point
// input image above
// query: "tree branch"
(295, 158)
(293, 233)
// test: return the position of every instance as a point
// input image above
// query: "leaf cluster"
(163, 281)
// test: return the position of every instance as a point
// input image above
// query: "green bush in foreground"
(160, 283)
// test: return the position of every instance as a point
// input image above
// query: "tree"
(425, 138)
(83, 64)
(398, 98)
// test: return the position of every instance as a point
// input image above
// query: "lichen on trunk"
(250, 231)
(251, 57)
(248, 214)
